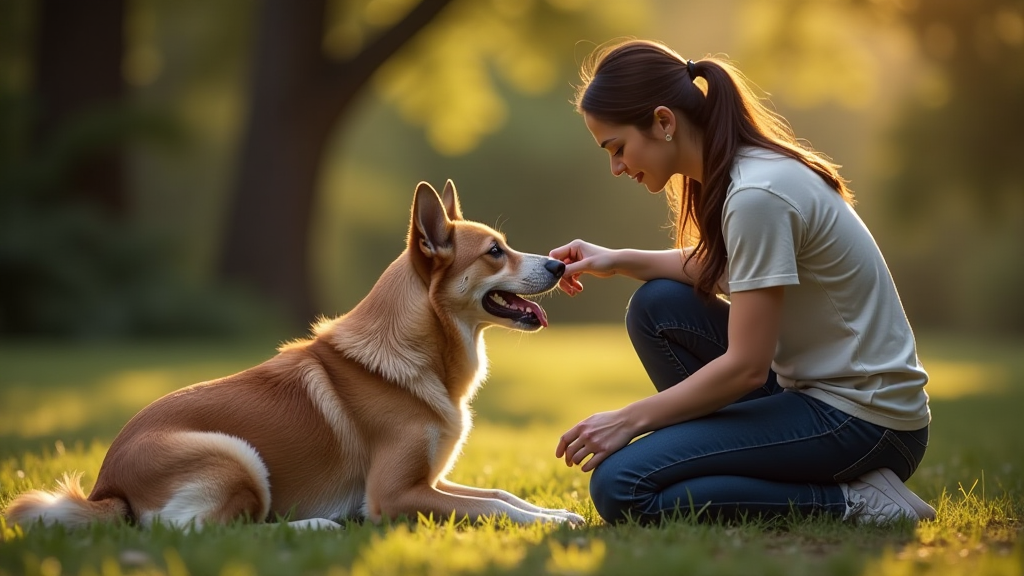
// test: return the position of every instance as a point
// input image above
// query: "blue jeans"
(771, 453)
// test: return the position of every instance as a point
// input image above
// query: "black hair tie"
(692, 69)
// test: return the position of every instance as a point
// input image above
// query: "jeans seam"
(664, 346)
(663, 342)
(660, 328)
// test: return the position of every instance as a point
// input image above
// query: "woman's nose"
(617, 167)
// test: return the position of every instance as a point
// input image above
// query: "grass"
(61, 405)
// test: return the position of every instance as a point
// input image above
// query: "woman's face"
(646, 158)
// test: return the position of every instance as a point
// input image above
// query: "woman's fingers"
(567, 253)
(593, 462)
(570, 281)
(580, 258)
(572, 447)
(573, 251)
(600, 435)
(567, 286)
(568, 445)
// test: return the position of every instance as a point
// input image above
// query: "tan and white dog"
(363, 420)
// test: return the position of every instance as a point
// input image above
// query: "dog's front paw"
(574, 519)
(315, 524)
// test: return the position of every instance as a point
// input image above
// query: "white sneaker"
(880, 497)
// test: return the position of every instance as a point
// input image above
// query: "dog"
(363, 420)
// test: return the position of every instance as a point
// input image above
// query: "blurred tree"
(956, 170)
(965, 113)
(965, 81)
(73, 261)
(297, 94)
(79, 48)
(312, 61)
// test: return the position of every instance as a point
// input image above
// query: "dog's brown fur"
(364, 419)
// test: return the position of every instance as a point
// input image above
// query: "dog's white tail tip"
(67, 506)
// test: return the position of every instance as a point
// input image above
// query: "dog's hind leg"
(219, 479)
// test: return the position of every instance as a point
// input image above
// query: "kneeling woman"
(802, 390)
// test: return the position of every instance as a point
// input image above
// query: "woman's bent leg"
(675, 332)
(766, 457)
(767, 454)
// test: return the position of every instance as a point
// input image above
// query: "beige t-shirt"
(845, 338)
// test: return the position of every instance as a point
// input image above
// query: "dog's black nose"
(555, 267)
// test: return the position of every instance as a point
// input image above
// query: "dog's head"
(469, 268)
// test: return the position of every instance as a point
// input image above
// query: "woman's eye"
(618, 153)
(496, 251)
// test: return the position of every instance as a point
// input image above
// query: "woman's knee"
(612, 495)
(648, 306)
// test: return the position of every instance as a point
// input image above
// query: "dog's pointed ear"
(450, 199)
(430, 230)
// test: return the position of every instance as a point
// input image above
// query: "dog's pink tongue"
(538, 312)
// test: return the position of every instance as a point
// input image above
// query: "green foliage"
(449, 78)
(972, 474)
(945, 81)
(950, 216)
(956, 191)
(71, 269)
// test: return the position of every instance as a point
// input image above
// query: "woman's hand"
(582, 258)
(602, 435)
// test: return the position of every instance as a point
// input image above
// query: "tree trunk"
(297, 98)
(79, 48)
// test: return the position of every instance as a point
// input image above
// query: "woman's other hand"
(602, 435)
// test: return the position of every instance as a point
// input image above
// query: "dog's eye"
(496, 251)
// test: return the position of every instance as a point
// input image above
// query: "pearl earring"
(668, 137)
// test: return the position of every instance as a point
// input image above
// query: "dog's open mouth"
(514, 307)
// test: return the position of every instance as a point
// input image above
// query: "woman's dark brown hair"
(625, 82)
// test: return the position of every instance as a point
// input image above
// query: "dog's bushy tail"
(67, 506)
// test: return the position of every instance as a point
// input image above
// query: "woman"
(800, 392)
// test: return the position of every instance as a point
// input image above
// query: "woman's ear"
(664, 121)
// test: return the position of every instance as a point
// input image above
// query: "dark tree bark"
(79, 48)
(298, 96)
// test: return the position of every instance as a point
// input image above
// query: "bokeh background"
(187, 167)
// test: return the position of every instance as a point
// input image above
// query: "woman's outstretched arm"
(582, 257)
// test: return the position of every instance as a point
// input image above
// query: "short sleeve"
(762, 232)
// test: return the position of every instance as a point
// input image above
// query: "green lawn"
(60, 406)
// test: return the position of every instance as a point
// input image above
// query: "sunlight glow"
(143, 61)
(933, 89)
(61, 410)
(1009, 26)
(580, 556)
(445, 79)
(951, 380)
(343, 38)
(827, 56)
(403, 550)
(382, 13)
(450, 91)
(954, 561)
(940, 40)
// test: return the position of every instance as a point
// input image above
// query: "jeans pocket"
(890, 452)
